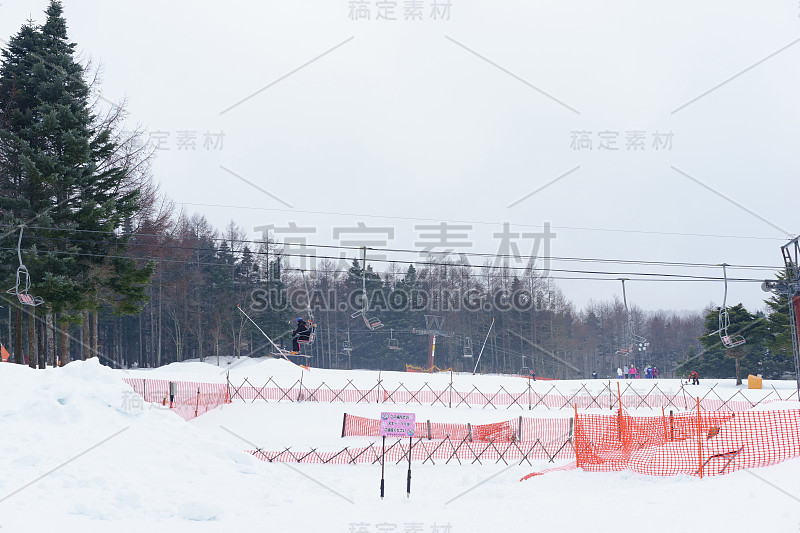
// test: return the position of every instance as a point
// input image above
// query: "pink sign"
(397, 424)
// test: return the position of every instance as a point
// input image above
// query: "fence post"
(450, 402)
(519, 430)
(671, 426)
(577, 455)
(469, 431)
(228, 383)
(344, 423)
(173, 388)
(197, 403)
(529, 395)
(300, 394)
(429, 429)
(699, 440)
(144, 389)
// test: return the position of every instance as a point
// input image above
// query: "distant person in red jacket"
(694, 378)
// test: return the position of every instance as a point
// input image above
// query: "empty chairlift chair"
(467, 348)
(23, 285)
(394, 344)
(728, 340)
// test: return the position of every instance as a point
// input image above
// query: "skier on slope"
(694, 378)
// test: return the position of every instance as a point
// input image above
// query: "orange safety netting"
(699, 443)
(546, 430)
(695, 443)
(527, 398)
(422, 450)
(190, 399)
(214, 394)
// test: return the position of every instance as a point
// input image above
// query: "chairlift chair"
(371, 323)
(468, 348)
(312, 325)
(347, 346)
(23, 285)
(374, 322)
(312, 333)
(394, 344)
(728, 340)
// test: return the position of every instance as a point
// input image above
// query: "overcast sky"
(298, 113)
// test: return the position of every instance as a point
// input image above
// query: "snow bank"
(81, 453)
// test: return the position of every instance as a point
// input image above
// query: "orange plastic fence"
(695, 443)
(526, 399)
(214, 394)
(422, 450)
(190, 399)
(698, 443)
(547, 430)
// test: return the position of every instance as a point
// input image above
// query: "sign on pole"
(397, 424)
(400, 425)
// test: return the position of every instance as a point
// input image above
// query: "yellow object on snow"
(753, 382)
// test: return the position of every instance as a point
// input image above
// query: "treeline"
(201, 275)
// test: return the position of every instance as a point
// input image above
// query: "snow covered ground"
(80, 454)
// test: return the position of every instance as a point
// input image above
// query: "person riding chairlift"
(300, 334)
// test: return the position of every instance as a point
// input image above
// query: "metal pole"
(262, 332)
(408, 481)
(383, 461)
(433, 351)
(308, 297)
(482, 347)
(794, 334)
(364, 280)
(450, 402)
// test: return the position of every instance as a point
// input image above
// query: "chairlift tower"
(790, 287)
(433, 327)
(632, 341)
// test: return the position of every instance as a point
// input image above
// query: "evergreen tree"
(715, 359)
(54, 151)
(780, 356)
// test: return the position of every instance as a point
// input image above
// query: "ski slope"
(81, 454)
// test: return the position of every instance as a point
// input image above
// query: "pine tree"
(715, 360)
(50, 143)
(780, 357)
